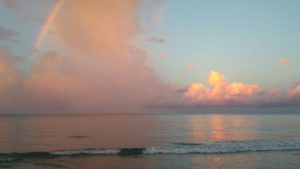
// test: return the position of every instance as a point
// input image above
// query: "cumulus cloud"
(293, 95)
(224, 93)
(221, 92)
(100, 73)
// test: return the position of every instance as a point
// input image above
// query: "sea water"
(210, 140)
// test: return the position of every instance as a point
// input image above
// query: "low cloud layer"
(221, 91)
(224, 93)
(293, 95)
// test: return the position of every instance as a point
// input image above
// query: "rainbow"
(47, 24)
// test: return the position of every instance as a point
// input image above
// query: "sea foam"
(176, 148)
(193, 148)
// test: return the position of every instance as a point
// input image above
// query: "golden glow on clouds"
(216, 78)
(101, 71)
(220, 90)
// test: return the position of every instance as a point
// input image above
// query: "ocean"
(150, 141)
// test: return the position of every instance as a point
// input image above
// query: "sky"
(63, 56)
(243, 39)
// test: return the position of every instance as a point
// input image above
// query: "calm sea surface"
(150, 141)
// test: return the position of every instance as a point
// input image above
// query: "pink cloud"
(10, 81)
(284, 62)
(101, 73)
(293, 94)
(224, 93)
(220, 91)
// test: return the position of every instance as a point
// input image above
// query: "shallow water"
(259, 160)
(150, 141)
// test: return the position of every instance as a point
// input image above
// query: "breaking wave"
(176, 148)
